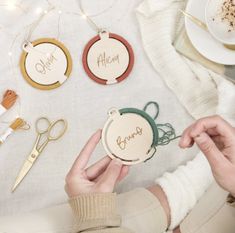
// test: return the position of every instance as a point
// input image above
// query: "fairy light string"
(10, 5)
(89, 17)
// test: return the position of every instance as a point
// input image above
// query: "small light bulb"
(11, 5)
(10, 54)
(45, 12)
(60, 12)
(84, 16)
(39, 10)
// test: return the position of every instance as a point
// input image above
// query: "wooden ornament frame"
(42, 86)
(121, 40)
(145, 117)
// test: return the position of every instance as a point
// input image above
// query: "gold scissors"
(44, 128)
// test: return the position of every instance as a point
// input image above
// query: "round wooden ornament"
(108, 58)
(132, 135)
(45, 63)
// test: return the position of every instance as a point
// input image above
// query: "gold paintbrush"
(203, 26)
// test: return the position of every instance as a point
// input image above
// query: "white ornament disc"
(46, 63)
(128, 137)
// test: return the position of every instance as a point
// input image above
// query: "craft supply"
(107, 58)
(132, 135)
(45, 63)
(50, 131)
(9, 99)
(15, 125)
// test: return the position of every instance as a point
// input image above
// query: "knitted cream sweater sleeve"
(185, 186)
(96, 213)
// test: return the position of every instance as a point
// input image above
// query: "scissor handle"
(39, 122)
(59, 134)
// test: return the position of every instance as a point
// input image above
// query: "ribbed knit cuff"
(185, 186)
(2, 110)
(95, 210)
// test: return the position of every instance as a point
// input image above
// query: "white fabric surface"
(81, 101)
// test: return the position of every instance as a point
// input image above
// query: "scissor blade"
(23, 172)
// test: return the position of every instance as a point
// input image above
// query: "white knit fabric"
(2, 110)
(226, 102)
(201, 91)
(194, 85)
(185, 186)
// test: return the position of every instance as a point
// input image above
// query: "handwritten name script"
(103, 60)
(43, 66)
(123, 142)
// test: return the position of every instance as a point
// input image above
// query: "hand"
(9, 99)
(98, 178)
(216, 139)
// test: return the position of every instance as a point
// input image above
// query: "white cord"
(114, 2)
(31, 28)
(89, 17)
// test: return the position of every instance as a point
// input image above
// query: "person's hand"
(216, 139)
(101, 177)
(9, 99)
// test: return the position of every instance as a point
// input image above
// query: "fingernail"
(181, 140)
(184, 142)
(194, 134)
(198, 138)
(97, 136)
(181, 146)
(98, 131)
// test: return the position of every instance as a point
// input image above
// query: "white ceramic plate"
(202, 40)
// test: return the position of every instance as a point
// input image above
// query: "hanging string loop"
(166, 132)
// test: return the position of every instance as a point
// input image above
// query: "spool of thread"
(15, 125)
(9, 99)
